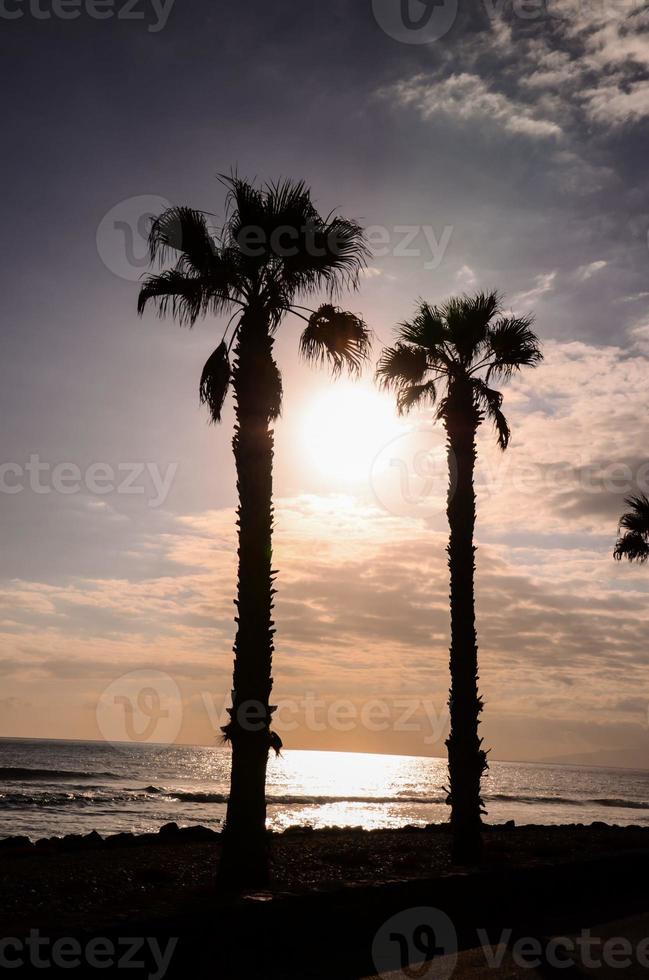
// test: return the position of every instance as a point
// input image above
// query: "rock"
(146, 838)
(93, 839)
(169, 830)
(16, 843)
(80, 842)
(198, 833)
(121, 840)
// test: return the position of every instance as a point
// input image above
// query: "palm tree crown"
(634, 543)
(272, 248)
(466, 340)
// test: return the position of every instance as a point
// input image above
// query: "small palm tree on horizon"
(272, 249)
(634, 543)
(447, 356)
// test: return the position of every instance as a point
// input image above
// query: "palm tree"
(634, 543)
(272, 248)
(447, 356)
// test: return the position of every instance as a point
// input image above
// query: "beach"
(331, 893)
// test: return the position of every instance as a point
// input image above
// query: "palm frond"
(490, 401)
(215, 381)
(287, 204)
(173, 291)
(632, 546)
(338, 337)
(634, 543)
(283, 240)
(244, 208)
(411, 395)
(401, 365)
(325, 254)
(467, 319)
(184, 230)
(267, 224)
(426, 329)
(637, 518)
(512, 344)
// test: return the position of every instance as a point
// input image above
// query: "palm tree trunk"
(245, 855)
(467, 760)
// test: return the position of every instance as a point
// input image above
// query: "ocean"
(52, 788)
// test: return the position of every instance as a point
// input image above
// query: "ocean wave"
(559, 800)
(89, 795)
(627, 804)
(296, 800)
(13, 773)
(13, 801)
(292, 800)
(568, 801)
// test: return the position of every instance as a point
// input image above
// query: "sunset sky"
(509, 153)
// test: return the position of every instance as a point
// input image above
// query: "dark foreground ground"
(343, 904)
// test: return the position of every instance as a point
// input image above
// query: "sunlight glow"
(345, 427)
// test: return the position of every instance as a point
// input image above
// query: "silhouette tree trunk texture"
(467, 760)
(245, 855)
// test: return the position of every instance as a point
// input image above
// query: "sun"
(344, 428)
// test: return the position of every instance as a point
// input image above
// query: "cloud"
(467, 99)
(607, 44)
(581, 60)
(552, 68)
(640, 336)
(634, 298)
(579, 427)
(544, 283)
(586, 272)
(618, 102)
(617, 38)
(362, 604)
(466, 278)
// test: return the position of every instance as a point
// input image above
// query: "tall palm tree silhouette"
(447, 356)
(634, 543)
(272, 248)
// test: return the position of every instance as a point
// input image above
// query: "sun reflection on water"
(348, 789)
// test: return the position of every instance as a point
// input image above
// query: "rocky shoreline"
(340, 883)
(178, 864)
